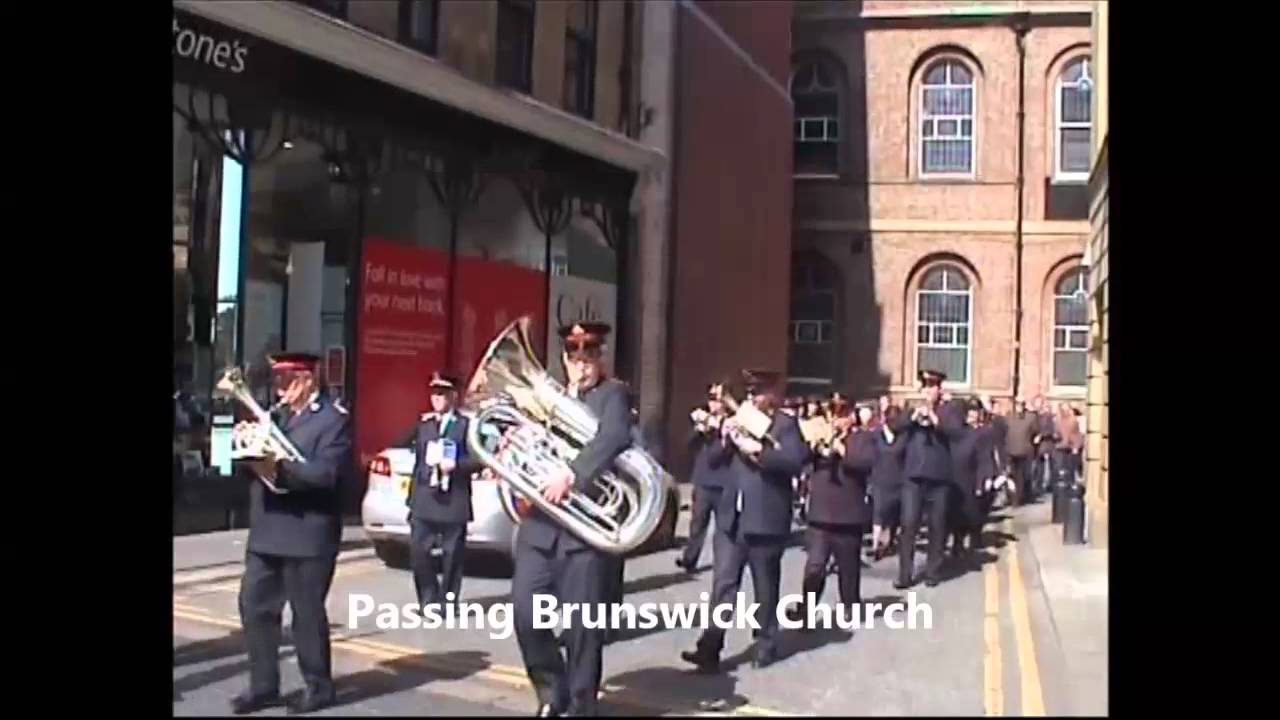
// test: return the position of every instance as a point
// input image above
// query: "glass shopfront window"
(301, 240)
(584, 286)
(501, 272)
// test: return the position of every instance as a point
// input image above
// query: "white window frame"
(915, 325)
(831, 130)
(973, 122)
(1068, 330)
(1060, 175)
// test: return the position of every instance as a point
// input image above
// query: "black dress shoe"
(247, 702)
(705, 663)
(932, 581)
(309, 702)
(546, 710)
(763, 659)
(901, 584)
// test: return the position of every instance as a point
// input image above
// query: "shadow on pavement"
(796, 642)
(208, 650)
(202, 678)
(997, 539)
(697, 692)
(407, 673)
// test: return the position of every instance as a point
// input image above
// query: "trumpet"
(747, 420)
(704, 421)
(833, 441)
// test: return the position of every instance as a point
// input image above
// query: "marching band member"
(926, 432)
(886, 484)
(758, 499)
(837, 513)
(710, 463)
(439, 498)
(293, 540)
(550, 559)
(966, 468)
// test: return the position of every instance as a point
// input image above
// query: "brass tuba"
(524, 426)
(255, 440)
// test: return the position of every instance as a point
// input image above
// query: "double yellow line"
(503, 674)
(1031, 692)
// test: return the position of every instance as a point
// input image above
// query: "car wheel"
(393, 554)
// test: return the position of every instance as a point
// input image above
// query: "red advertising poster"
(402, 338)
(490, 296)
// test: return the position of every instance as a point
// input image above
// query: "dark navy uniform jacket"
(991, 454)
(432, 503)
(886, 470)
(710, 459)
(766, 488)
(609, 401)
(971, 460)
(927, 449)
(838, 488)
(307, 520)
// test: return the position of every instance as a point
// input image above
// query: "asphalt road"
(989, 650)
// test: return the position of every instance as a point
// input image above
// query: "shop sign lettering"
(193, 45)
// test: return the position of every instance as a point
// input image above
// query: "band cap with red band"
(584, 336)
(294, 362)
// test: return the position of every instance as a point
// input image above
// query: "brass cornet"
(747, 419)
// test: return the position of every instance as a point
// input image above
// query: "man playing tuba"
(551, 560)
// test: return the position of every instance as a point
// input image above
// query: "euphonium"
(265, 437)
(525, 427)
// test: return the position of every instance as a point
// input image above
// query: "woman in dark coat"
(886, 485)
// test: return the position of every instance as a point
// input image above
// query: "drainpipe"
(1021, 26)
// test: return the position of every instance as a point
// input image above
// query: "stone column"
(650, 272)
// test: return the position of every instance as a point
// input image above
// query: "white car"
(384, 513)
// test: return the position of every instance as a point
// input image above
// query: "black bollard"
(1073, 525)
(1060, 490)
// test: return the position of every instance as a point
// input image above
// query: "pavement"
(1024, 635)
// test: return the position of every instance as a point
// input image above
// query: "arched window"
(943, 323)
(1073, 118)
(1070, 330)
(947, 119)
(815, 92)
(811, 354)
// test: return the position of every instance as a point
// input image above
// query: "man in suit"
(294, 533)
(1021, 427)
(757, 499)
(439, 498)
(710, 463)
(926, 431)
(551, 560)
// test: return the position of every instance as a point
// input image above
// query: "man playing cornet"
(710, 463)
(293, 539)
(768, 452)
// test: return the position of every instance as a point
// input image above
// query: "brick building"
(731, 221)
(942, 153)
(1097, 454)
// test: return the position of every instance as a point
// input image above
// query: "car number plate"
(404, 486)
